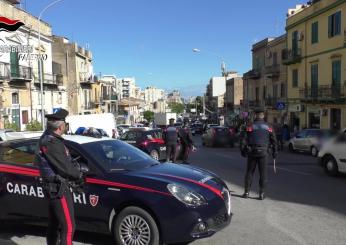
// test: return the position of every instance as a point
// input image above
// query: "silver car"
(309, 140)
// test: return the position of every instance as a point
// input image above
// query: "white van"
(104, 121)
(332, 156)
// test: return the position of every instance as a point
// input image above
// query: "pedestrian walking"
(186, 141)
(56, 171)
(255, 145)
(171, 140)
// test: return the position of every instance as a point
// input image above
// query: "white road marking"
(280, 168)
(293, 171)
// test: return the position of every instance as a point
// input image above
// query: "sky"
(152, 40)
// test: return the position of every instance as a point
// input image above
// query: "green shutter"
(338, 23)
(330, 25)
(314, 32)
(314, 80)
(14, 64)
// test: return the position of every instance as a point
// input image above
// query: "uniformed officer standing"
(57, 169)
(171, 140)
(258, 139)
(186, 141)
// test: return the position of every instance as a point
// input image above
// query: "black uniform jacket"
(54, 150)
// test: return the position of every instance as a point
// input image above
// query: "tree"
(177, 107)
(149, 116)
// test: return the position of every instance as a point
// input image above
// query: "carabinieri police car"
(127, 193)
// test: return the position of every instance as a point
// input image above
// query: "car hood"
(189, 176)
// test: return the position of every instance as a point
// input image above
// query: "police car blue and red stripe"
(126, 193)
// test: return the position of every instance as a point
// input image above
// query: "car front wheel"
(330, 166)
(136, 226)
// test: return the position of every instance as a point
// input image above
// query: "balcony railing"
(272, 71)
(4, 71)
(85, 78)
(49, 79)
(328, 93)
(253, 74)
(291, 56)
(20, 73)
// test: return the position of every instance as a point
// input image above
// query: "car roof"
(81, 139)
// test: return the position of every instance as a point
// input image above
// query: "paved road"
(304, 206)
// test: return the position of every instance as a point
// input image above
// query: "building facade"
(76, 65)
(24, 66)
(316, 64)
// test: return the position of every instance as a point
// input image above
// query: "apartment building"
(316, 64)
(24, 66)
(76, 65)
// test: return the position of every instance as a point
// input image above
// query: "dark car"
(150, 141)
(196, 128)
(127, 193)
(218, 135)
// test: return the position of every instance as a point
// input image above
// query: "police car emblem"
(93, 199)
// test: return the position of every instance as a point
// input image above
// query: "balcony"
(273, 102)
(253, 74)
(49, 79)
(4, 71)
(323, 94)
(20, 74)
(254, 103)
(272, 71)
(291, 56)
(85, 78)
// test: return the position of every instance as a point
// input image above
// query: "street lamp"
(223, 70)
(39, 60)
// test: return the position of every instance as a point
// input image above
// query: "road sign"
(55, 110)
(280, 105)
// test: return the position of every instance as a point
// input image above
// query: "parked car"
(9, 134)
(310, 140)
(332, 156)
(122, 128)
(125, 191)
(148, 140)
(196, 128)
(218, 135)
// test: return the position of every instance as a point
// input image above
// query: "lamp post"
(39, 60)
(224, 74)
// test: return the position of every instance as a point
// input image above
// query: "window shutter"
(330, 25)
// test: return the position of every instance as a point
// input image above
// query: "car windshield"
(114, 155)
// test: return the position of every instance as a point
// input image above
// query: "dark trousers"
(252, 162)
(171, 152)
(61, 225)
(185, 151)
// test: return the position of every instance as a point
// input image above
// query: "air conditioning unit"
(301, 36)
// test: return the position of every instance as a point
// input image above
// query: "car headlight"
(186, 196)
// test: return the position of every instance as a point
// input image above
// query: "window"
(264, 93)
(295, 78)
(15, 98)
(19, 153)
(257, 93)
(25, 117)
(314, 80)
(314, 32)
(334, 24)
(283, 90)
(275, 91)
(14, 64)
(336, 72)
(275, 58)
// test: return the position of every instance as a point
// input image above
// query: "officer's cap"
(259, 109)
(60, 115)
(171, 119)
